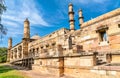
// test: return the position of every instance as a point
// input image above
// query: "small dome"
(70, 4)
(26, 20)
(80, 10)
(35, 37)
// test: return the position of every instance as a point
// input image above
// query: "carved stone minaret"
(26, 38)
(9, 49)
(71, 17)
(26, 28)
(81, 18)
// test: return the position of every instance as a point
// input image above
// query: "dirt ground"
(34, 74)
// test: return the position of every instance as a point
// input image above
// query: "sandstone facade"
(66, 50)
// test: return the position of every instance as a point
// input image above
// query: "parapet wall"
(83, 66)
(102, 17)
(57, 65)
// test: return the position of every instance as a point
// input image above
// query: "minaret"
(71, 17)
(26, 38)
(26, 29)
(10, 43)
(9, 49)
(81, 18)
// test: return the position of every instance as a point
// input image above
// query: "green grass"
(8, 72)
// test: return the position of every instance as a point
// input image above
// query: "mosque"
(71, 51)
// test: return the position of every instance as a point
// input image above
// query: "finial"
(26, 19)
(80, 10)
(36, 33)
(70, 4)
(10, 37)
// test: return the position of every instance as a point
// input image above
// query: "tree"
(3, 30)
(3, 54)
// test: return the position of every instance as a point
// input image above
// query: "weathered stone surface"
(115, 58)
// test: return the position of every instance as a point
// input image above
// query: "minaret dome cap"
(80, 10)
(26, 20)
(70, 4)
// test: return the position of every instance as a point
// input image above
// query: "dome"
(35, 37)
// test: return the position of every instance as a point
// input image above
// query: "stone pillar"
(22, 62)
(29, 64)
(81, 18)
(109, 58)
(71, 17)
(95, 58)
(9, 49)
(17, 53)
(70, 42)
(61, 66)
(61, 60)
(60, 50)
(25, 62)
(22, 52)
(25, 49)
(13, 54)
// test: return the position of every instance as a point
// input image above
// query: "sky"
(46, 16)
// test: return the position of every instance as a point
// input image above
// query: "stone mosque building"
(70, 51)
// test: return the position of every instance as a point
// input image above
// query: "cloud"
(30, 11)
(17, 12)
(10, 24)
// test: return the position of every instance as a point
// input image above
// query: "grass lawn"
(8, 72)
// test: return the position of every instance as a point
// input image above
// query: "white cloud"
(30, 11)
(17, 12)
(10, 24)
